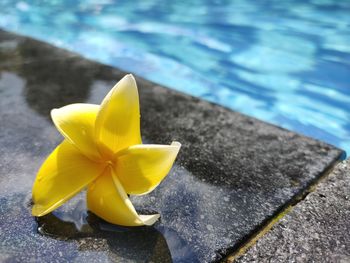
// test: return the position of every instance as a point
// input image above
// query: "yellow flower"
(102, 149)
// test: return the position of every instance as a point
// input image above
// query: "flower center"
(110, 163)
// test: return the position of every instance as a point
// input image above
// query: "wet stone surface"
(233, 172)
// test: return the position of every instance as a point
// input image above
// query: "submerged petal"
(76, 123)
(64, 173)
(118, 121)
(141, 168)
(107, 198)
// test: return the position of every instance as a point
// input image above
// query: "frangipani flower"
(102, 150)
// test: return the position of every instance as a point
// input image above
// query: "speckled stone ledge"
(316, 230)
(234, 173)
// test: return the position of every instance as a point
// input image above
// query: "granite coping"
(234, 173)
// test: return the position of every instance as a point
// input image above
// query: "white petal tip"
(53, 111)
(175, 143)
(149, 220)
(129, 78)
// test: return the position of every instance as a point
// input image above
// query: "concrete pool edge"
(317, 227)
(286, 209)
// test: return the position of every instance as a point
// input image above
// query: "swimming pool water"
(285, 62)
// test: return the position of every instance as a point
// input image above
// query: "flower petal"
(107, 198)
(64, 173)
(76, 123)
(118, 121)
(141, 168)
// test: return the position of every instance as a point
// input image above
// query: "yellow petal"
(64, 173)
(118, 121)
(76, 122)
(141, 168)
(107, 198)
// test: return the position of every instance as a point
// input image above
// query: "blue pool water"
(285, 62)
